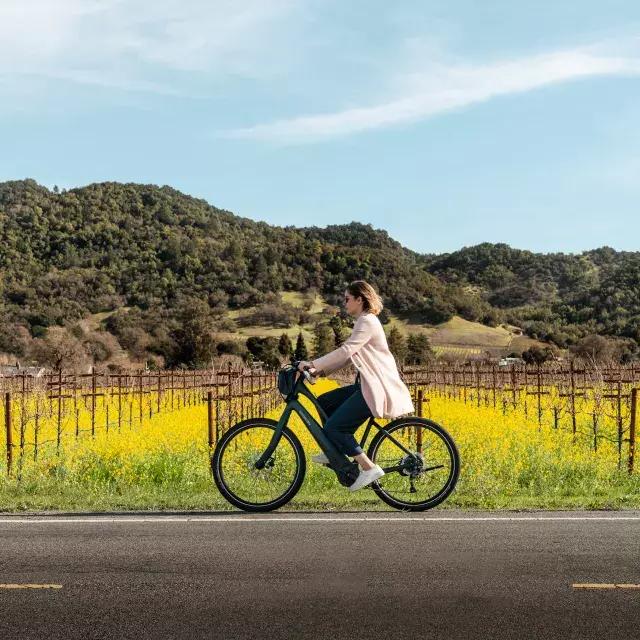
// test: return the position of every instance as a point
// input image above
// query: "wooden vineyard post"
(495, 383)
(93, 402)
(59, 420)
(119, 401)
(456, 386)
(36, 428)
(7, 424)
(573, 399)
(94, 394)
(419, 429)
(464, 384)
(619, 417)
(76, 411)
(210, 418)
(632, 428)
(539, 394)
(106, 399)
(140, 397)
(242, 395)
(251, 402)
(22, 423)
(217, 406)
(229, 394)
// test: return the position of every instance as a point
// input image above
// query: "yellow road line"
(30, 586)
(604, 585)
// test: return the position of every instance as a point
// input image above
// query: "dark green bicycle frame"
(339, 462)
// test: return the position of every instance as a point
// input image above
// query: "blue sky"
(445, 123)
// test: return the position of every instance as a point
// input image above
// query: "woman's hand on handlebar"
(305, 364)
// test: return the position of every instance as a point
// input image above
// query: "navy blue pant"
(346, 410)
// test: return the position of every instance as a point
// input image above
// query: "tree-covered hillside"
(96, 248)
(556, 296)
(159, 259)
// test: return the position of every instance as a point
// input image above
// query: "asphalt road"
(442, 574)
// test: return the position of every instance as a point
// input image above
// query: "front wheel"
(423, 477)
(252, 489)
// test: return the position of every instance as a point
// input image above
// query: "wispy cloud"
(445, 87)
(144, 45)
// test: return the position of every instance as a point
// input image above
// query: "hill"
(145, 260)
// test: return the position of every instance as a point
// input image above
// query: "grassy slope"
(457, 335)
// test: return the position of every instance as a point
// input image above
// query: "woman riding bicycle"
(378, 390)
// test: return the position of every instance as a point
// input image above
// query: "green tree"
(323, 340)
(265, 349)
(285, 347)
(337, 325)
(194, 335)
(419, 349)
(537, 355)
(301, 352)
(397, 344)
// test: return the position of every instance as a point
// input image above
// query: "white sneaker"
(320, 458)
(367, 477)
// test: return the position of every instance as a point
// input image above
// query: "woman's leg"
(344, 422)
(331, 400)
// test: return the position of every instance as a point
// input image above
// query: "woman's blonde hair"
(371, 301)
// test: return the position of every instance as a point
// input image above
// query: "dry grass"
(457, 336)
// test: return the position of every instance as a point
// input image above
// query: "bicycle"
(259, 464)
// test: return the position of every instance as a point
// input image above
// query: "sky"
(445, 123)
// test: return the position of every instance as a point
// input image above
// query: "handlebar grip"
(308, 376)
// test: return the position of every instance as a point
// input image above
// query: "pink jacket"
(382, 388)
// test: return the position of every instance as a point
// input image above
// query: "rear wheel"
(427, 475)
(235, 474)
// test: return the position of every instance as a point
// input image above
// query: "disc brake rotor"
(414, 465)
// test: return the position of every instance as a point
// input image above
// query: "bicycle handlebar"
(310, 377)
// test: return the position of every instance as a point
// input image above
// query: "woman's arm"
(361, 334)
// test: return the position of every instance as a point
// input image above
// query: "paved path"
(444, 574)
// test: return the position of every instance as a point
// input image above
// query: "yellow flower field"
(506, 460)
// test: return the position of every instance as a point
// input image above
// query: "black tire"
(295, 455)
(448, 485)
